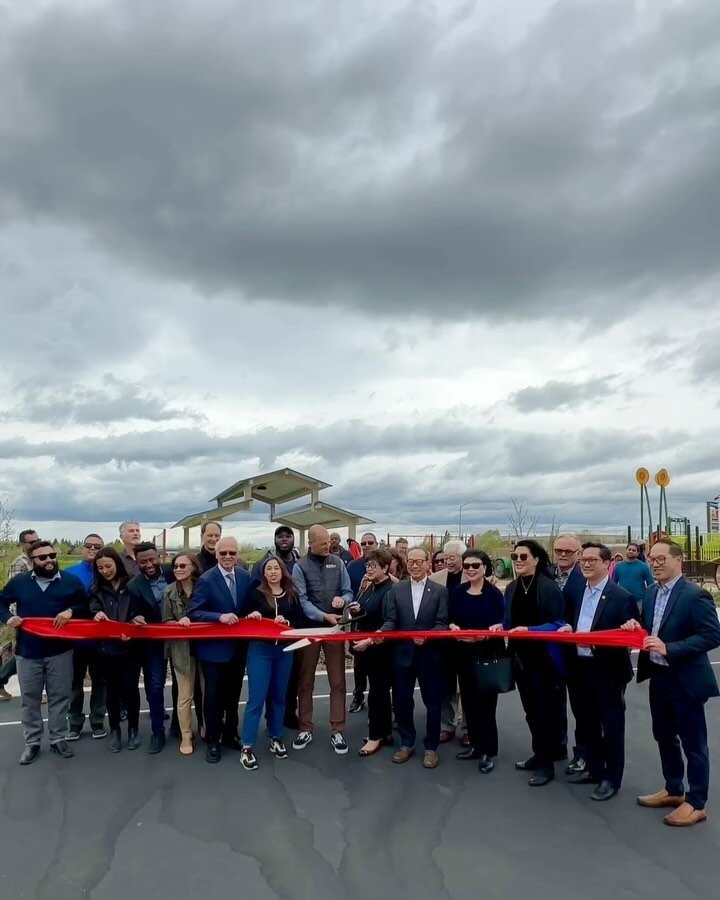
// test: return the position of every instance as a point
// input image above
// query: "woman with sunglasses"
(476, 604)
(268, 666)
(438, 561)
(534, 602)
(377, 657)
(110, 600)
(175, 602)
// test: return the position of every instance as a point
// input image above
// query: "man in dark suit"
(417, 605)
(221, 595)
(597, 676)
(146, 591)
(683, 626)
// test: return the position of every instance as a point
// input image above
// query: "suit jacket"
(441, 577)
(210, 600)
(400, 616)
(573, 591)
(615, 606)
(551, 604)
(142, 598)
(689, 629)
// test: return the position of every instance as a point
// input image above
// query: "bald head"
(319, 540)
(226, 552)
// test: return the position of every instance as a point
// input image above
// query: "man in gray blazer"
(417, 605)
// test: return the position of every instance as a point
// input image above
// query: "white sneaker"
(339, 744)
(277, 748)
(302, 740)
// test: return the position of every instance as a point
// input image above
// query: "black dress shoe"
(232, 742)
(578, 764)
(115, 744)
(604, 791)
(157, 743)
(582, 778)
(62, 749)
(486, 765)
(212, 752)
(527, 765)
(133, 739)
(541, 777)
(469, 753)
(30, 754)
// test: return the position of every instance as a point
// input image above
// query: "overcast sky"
(427, 252)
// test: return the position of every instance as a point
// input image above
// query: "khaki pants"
(335, 665)
(186, 690)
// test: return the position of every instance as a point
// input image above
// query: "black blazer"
(142, 598)
(551, 605)
(614, 608)
(689, 629)
(400, 616)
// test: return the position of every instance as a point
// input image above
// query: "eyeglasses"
(181, 566)
(416, 562)
(560, 552)
(590, 560)
(93, 546)
(657, 560)
(367, 543)
(519, 556)
(41, 557)
(227, 553)
(371, 566)
(477, 565)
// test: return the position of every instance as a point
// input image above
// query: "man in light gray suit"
(417, 605)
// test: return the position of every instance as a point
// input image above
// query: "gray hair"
(454, 547)
(123, 525)
(570, 536)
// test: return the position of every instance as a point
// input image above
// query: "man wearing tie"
(417, 605)
(683, 626)
(221, 595)
(597, 676)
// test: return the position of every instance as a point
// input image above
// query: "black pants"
(678, 721)
(480, 708)
(291, 695)
(377, 664)
(599, 711)
(87, 659)
(539, 684)
(360, 674)
(223, 686)
(426, 669)
(122, 673)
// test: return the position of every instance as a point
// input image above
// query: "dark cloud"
(561, 394)
(394, 161)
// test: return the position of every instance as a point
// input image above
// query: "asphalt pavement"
(318, 825)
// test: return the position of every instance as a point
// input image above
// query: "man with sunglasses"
(86, 659)
(221, 596)
(44, 662)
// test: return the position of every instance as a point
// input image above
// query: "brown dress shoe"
(659, 800)
(685, 815)
(403, 754)
(431, 759)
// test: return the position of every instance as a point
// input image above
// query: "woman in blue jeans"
(268, 667)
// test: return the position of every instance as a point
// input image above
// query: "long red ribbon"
(265, 629)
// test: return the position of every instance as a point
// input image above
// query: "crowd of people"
(399, 589)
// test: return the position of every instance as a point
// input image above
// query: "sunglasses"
(93, 546)
(181, 566)
(519, 556)
(227, 553)
(367, 543)
(476, 565)
(41, 557)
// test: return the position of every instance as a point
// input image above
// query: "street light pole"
(460, 509)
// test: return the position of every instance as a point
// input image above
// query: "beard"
(46, 572)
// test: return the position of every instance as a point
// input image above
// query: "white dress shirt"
(661, 599)
(229, 581)
(417, 589)
(590, 601)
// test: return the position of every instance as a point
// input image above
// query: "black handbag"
(494, 676)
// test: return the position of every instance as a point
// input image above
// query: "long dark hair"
(286, 582)
(401, 572)
(194, 564)
(540, 553)
(120, 571)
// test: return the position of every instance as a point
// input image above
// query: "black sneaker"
(302, 740)
(157, 743)
(247, 759)
(358, 704)
(277, 748)
(72, 735)
(339, 744)
(98, 732)
(133, 739)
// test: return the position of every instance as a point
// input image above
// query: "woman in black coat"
(534, 602)
(109, 599)
(476, 604)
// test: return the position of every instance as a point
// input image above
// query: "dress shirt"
(417, 589)
(229, 581)
(661, 599)
(44, 583)
(590, 601)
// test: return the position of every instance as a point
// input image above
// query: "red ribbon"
(265, 629)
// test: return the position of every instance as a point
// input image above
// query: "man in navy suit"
(221, 595)
(597, 676)
(571, 581)
(682, 625)
(146, 592)
(417, 605)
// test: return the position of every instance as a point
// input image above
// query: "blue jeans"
(268, 671)
(154, 667)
